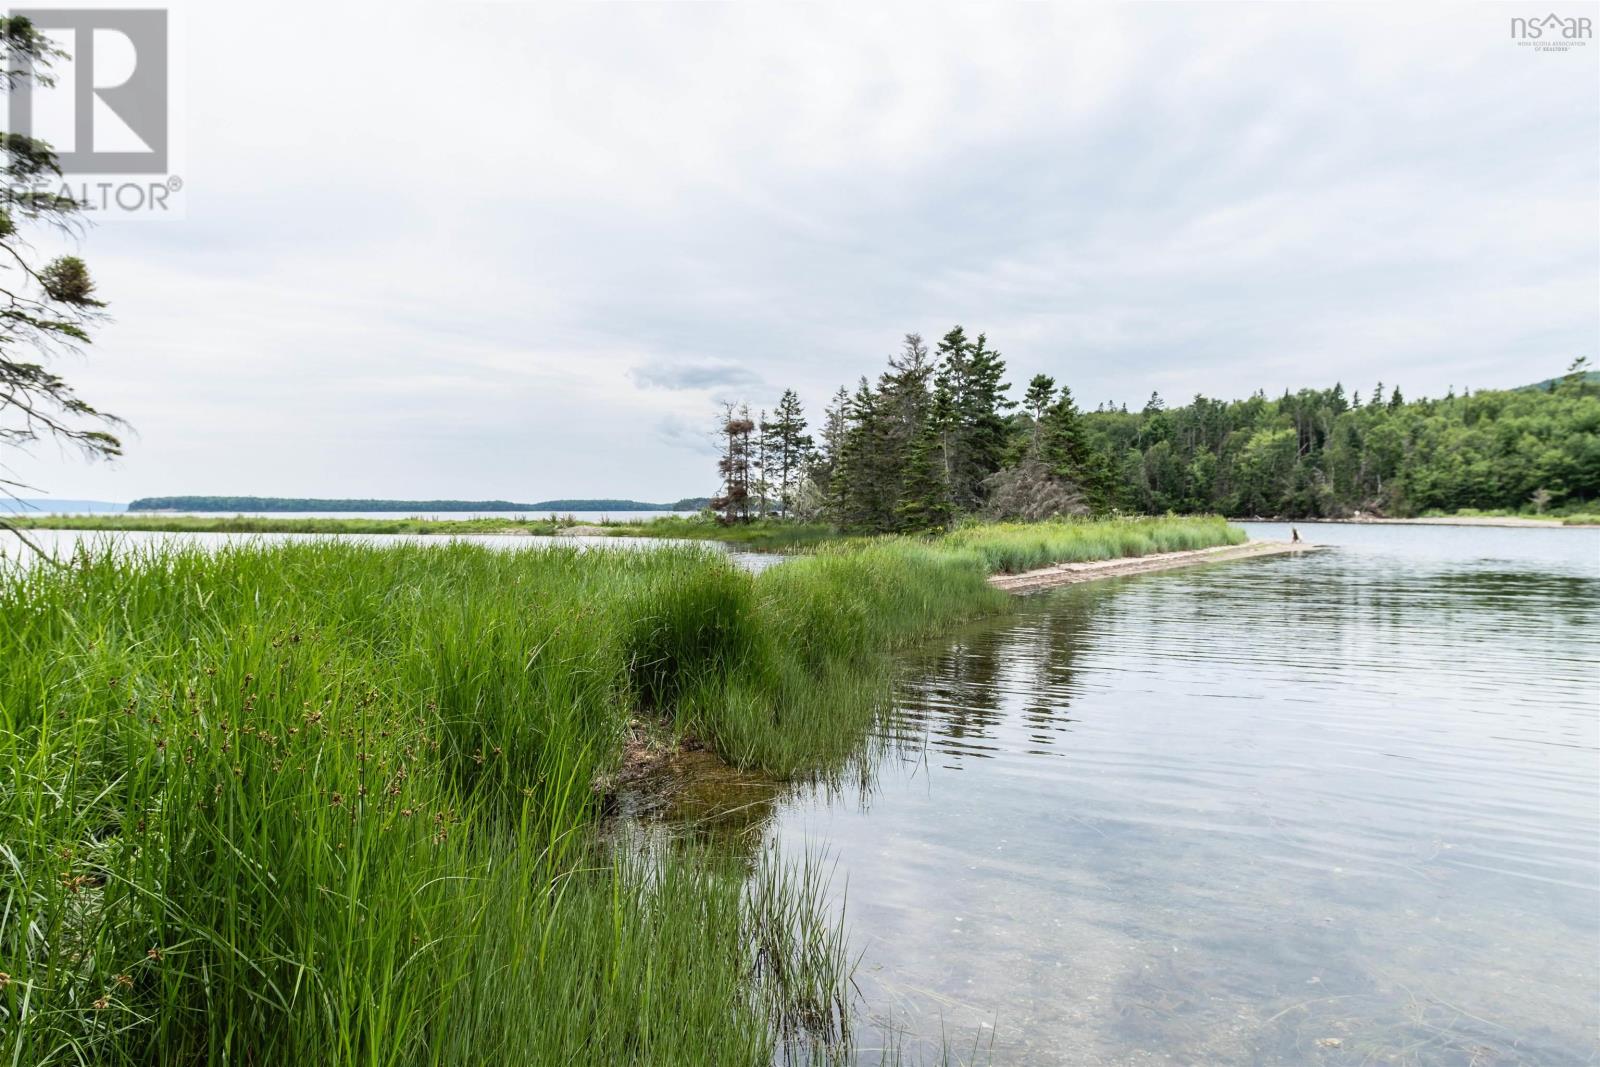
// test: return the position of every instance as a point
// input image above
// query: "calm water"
(1341, 809)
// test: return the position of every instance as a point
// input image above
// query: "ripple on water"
(1342, 808)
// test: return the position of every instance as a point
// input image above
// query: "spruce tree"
(865, 502)
(970, 378)
(984, 418)
(789, 446)
(1041, 391)
(924, 495)
(904, 401)
(826, 465)
(952, 382)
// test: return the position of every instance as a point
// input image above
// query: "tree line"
(937, 436)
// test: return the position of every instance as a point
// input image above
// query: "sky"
(521, 251)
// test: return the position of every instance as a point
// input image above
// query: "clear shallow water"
(1342, 808)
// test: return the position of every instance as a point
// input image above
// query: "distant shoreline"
(1444, 520)
(220, 505)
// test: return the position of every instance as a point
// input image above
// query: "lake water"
(1341, 808)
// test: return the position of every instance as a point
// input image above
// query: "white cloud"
(516, 250)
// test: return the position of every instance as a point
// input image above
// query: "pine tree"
(1041, 391)
(788, 449)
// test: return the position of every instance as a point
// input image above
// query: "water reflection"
(1341, 808)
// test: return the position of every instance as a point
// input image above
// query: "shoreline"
(1072, 573)
(1443, 520)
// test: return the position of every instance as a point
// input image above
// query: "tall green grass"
(254, 524)
(330, 803)
(1011, 548)
(759, 534)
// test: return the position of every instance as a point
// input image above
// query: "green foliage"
(786, 448)
(932, 443)
(332, 804)
(1011, 548)
(912, 452)
(49, 307)
(1312, 454)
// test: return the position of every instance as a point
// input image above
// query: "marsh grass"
(1011, 548)
(256, 524)
(759, 535)
(331, 803)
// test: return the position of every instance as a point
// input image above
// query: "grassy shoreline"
(329, 802)
(762, 535)
(248, 524)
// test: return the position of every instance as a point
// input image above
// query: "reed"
(255, 524)
(1011, 548)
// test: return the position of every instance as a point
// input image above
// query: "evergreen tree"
(904, 404)
(1065, 448)
(925, 494)
(866, 497)
(760, 489)
(824, 467)
(951, 385)
(788, 449)
(1041, 391)
(974, 436)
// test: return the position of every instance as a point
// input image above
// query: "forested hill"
(1325, 453)
(941, 434)
(234, 504)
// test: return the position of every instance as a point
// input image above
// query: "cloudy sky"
(520, 250)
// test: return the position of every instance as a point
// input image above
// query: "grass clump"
(330, 803)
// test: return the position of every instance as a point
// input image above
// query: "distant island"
(280, 503)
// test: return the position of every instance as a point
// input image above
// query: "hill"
(1591, 377)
